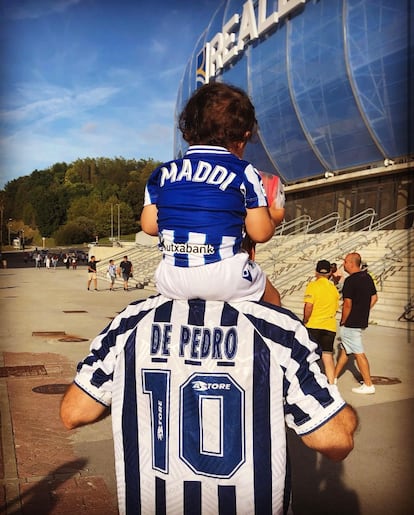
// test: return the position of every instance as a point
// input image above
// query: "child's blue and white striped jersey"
(200, 394)
(202, 200)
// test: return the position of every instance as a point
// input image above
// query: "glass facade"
(330, 84)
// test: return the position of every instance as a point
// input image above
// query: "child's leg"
(271, 295)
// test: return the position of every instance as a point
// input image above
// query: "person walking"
(111, 274)
(92, 273)
(125, 270)
(359, 296)
(319, 314)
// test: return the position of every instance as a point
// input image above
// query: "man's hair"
(218, 114)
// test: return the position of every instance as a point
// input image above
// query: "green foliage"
(78, 201)
(77, 231)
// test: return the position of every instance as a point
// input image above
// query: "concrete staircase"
(290, 260)
(389, 254)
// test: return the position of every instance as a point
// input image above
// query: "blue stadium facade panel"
(329, 80)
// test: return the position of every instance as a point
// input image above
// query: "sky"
(92, 78)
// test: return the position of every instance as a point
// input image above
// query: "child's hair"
(218, 114)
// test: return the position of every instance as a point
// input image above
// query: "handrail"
(300, 220)
(367, 213)
(324, 220)
(393, 217)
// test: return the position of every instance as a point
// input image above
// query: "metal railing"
(321, 222)
(299, 225)
(393, 217)
(359, 217)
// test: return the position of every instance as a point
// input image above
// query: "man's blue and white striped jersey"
(201, 392)
(202, 200)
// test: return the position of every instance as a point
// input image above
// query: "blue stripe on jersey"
(163, 312)
(229, 316)
(227, 500)
(130, 432)
(196, 312)
(192, 498)
(300, 354)
(160, 498)
(262, 448)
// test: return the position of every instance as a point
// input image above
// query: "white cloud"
(59, 103)
(27, 9)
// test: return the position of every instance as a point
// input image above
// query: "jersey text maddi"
(205, 172)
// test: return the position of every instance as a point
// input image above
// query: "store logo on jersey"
(202, 386)
(237, 33)
(160, 428)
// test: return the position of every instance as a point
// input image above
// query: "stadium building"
(330, 81)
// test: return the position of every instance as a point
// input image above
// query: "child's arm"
(149, 219)
(261, 222)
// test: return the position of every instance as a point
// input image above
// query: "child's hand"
(279, 198)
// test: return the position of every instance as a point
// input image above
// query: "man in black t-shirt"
(125, 269)
(359, 296)
(92, 272)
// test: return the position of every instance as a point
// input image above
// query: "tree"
(50, 206)
(77, 231)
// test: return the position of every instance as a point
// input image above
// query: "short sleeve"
(152, 188)
(254, 189)
(309, 294)
(310, 401)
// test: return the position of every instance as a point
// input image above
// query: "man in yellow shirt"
(319, 314)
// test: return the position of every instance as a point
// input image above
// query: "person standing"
(319, 312)
(336, 276)
(92, 273)
(125, 269)
(200, 393)
(359, 296)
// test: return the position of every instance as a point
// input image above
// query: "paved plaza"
(48, 319)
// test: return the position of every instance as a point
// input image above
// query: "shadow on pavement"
(39, 498)
(318, 483)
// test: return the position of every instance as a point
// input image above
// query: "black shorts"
(325, 339)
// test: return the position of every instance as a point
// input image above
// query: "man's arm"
(78, 408)
(346, 309)
(335, 439)
(374, 299)
(307, 311)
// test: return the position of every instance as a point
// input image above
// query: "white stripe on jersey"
(168, 363)
(200, 239)
(252, 177)
(209, 149)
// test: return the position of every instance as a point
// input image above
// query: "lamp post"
(9, 226)
(119, 223)
(1, 227)
(112, 223)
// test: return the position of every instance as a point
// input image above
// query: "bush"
(74, 233)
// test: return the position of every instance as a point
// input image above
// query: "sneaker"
(364, 389)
